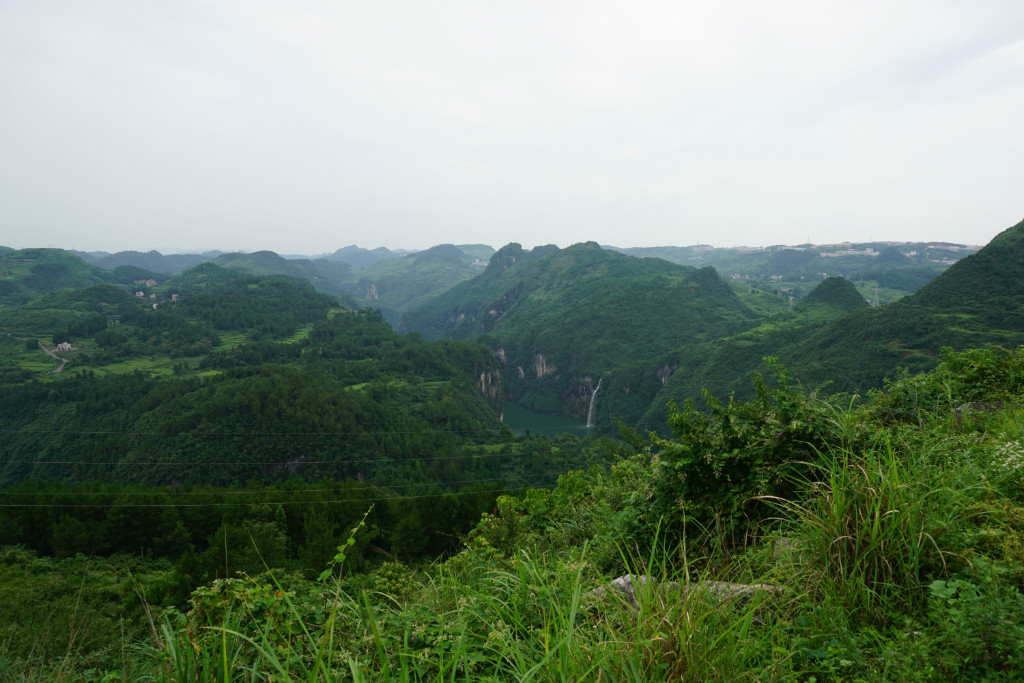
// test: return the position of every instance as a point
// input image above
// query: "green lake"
(520, 420)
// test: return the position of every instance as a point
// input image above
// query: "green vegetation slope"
(977, 301)
(563, 320)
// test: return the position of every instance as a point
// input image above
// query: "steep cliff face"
(489, 384)
(365, 289)
(474, 306)
(560, 319)
(542, 366)
(580, 390)
(505, 258)
(496, 310)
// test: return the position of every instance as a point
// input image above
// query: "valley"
(251, 427)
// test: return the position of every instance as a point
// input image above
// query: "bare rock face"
(489, 384)
(541, 366)
(366, 289)
(630, 585)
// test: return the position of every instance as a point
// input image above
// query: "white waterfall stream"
(590, 412)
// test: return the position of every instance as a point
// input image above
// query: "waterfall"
(590, 413)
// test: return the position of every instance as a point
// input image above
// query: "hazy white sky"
(302, 127)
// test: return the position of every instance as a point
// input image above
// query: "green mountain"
(403, 284)
(65, 315)
(724, 365)
(882, 270)
(152, 260)
(563, 321)
(323, 275)
(394, 283)
(358, 257)
(202, 277)
(855, 261)
(254, 371)
(979, 300)
(834, 292)
(26, 274)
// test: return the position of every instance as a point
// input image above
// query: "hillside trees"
(558, 319)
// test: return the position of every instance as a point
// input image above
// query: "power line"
(249, 433)
(114, 432)
(293, 462)
(240, 504)
(233, 492)
(250, 463)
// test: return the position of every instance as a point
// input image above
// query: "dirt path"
(51, 352)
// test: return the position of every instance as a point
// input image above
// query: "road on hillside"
(51, 352)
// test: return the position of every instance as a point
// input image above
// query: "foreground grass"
(896, 553)
(899, 562)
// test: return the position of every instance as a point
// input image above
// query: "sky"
(303, 127)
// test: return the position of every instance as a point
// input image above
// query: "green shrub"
(991, 375)
(979, 630)
(714, 476)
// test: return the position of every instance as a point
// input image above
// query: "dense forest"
(561, 320)
(841, 538)
(239, 468)
(197, 416)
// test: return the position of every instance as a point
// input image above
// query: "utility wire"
(233, 492)
(495, 430)
(294, 462)
(278, 502)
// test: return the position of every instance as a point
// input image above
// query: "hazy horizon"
(299, 126)
(289, 254)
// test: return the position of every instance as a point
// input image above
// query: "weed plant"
(893, 549)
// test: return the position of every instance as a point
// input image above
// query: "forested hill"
(904, 266)
(393, 281)
(978, 300)
(151, 260)
(325, 276)
(26, 274)
(234, 383)
(563, 320)
(836, 293)
(397, 285)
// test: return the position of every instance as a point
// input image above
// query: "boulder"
(629, 585)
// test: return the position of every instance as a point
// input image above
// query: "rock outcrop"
(630, 586)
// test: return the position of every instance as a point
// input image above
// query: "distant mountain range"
(391, 280)
(624, 330)
(398, 281)
(561, 321)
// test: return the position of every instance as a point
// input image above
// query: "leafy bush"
(987, 377)
(717, 472)
(979, 630)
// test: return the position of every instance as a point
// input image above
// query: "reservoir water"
(520, 419)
